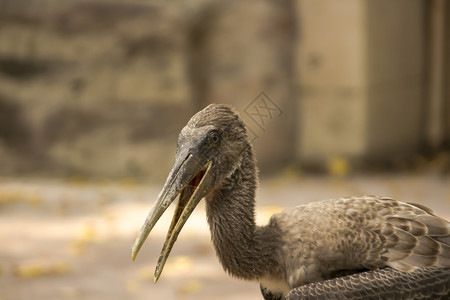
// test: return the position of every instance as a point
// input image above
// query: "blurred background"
(339, 97)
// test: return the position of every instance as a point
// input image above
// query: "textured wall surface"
(361, 78)
(91, 87)
(102, 88)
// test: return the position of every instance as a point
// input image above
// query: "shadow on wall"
(14, 131)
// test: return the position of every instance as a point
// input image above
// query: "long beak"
(190, 178)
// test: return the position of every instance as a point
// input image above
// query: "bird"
(360, 246)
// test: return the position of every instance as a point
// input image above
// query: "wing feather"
(421, 238)
(386, 283)
(349, 234)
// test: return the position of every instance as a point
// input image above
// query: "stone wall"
(101, 88)
(91, 87)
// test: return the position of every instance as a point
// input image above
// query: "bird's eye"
(213, 137)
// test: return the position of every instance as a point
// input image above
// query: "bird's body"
(322, 240)
(307, 244)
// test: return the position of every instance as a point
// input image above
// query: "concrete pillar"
(394, 77)
(360, 77)
(435, 74)
(447, 73)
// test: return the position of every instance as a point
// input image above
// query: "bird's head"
(209, 149)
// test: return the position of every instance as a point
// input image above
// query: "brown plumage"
(313, 243)
(386, 283)
(357, 233)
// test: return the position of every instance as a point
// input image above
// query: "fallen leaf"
(190, 287)
(10, 197)
(38, 269)
(338, 166)
(88, 233)
(86, 237)
(35, 201)
(59, 268)
(28, 271)
(178, 264)
(129, 183)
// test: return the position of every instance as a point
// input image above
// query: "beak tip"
(134, 253)
(157, 274)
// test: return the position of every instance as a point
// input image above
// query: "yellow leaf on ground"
(28, 271)
(88, 233)
(8, 197)
(35, 201)
(338, 166)
(129, 183)
(190, 287)
(59, 268)
(86, 236)
(38, 269)
(182, 263)
(179, 264)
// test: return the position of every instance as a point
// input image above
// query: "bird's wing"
(386, 283)
(361, 232)
(412, 236)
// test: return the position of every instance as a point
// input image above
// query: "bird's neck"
(245, 250)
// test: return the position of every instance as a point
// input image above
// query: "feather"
(436, 226)
(383, 283)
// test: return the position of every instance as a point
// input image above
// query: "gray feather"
(387, 283)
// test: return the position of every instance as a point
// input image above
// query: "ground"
(71, 239)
